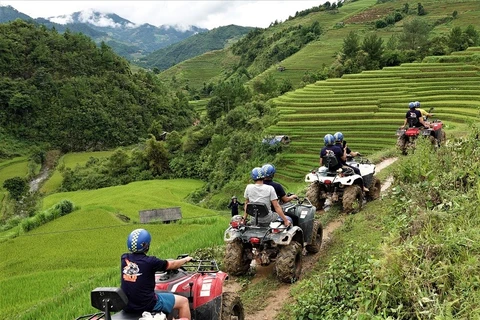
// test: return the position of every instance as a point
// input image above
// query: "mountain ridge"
(136, 40)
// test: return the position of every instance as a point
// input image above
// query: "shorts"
(288, 218)
(165, 302)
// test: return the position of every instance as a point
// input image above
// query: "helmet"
(257, 174)
(234, 197)
(269, 170)
(139, 240)
(338, 136)
(328, 139)
(411, 105)
(417, 104)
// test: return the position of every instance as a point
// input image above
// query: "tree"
(456, 40)
(119, 162)
(157, 156)
(373, 46)
(415, 35)
(351, 45)
(16, 186)
(472, 36)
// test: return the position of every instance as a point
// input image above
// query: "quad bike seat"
(257, 210)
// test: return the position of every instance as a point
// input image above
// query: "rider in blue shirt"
(138, 278)
(331, 149)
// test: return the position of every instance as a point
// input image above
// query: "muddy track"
(276, 298)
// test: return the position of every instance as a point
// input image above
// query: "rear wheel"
(289, 262)
(352, 199)
(314, 194)
(401, 145)
(232, 307)
(317, 236)
(374, 190)
(236, 259)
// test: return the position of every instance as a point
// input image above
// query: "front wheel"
(317, 236)
(374, 189)
(352, 199)
(236, 261)
(232, 307)
(289, 262)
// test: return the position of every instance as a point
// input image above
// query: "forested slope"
(64, 90)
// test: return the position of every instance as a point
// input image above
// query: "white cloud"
(206, 14)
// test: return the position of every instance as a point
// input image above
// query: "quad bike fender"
(437, 126)
(284, 238)
(231, 234)
(311, 177)
(303, 216)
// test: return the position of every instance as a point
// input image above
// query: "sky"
(205, 14)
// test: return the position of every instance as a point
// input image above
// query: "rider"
(331, 149)
(424, 113)
(343, 144)
(138, 278)
(269, 170)
(414, 117)
(260, 192)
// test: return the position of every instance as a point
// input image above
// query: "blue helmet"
(411, 105)
(417, 104)
(139, 241)
(338, 136)
(328, 139)
(258, 174)
(269, 170)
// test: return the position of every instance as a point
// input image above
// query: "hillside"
(63, 90)
(318, 55)
(411, 255)
(196, 45)
(368, 107)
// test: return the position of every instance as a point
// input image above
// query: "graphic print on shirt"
(131, 271)
(412, 115)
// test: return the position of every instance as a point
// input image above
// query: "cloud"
(206, 14)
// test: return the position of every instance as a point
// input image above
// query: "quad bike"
(407, 137)
(200, 281)
(273, 242)
(343, 185)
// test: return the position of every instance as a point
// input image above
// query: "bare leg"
(181, 304)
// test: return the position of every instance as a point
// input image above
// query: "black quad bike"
(273, 242)
(200, 281)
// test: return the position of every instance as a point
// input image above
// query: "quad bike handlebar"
(199, 265)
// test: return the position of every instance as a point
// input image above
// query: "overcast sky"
(205, 14)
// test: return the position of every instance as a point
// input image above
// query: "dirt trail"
(277, 298)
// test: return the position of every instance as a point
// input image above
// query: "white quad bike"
(328, 186)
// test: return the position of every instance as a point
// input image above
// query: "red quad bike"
(406, 137)
(200, 281)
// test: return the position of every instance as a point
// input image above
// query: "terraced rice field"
(368, 107)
